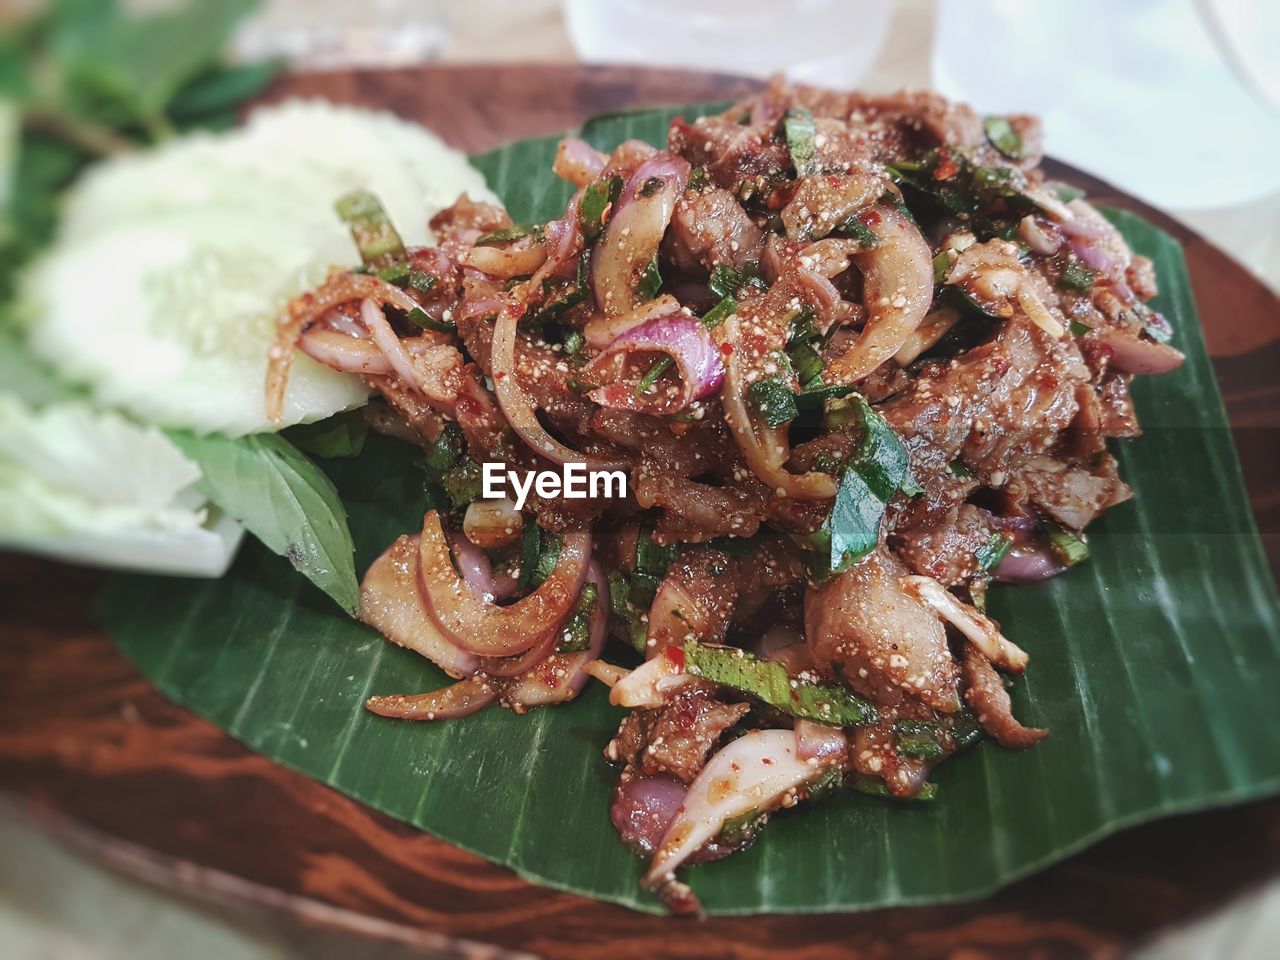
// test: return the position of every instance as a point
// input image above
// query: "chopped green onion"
(773, 401)
(960, 470)
(575, 636)
(799, 127)
(1068, 547)
(650, 281)
(375, 236)
(698, 179)
(397, 273)
(660, 366)
(618, 590)
(1003, 137)
(644, 587)
(505, 235)
(421, 318)
(807, 363)
(992, 551)
(572, 296)
(816, 395)
(1079, 329)
(770, 683)
(866, 237)
(574, 342)
(726, 281)
(597, 198)
(918, 738)
(721, 312)
(421, 281)
(965, 730)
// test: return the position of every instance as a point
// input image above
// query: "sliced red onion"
(391, 604)
(632, 236)
(516, 405)
(562, 244)
(578, 162)
(342, 352)
(457, 700)
(643, 808)
(481, 627)
(492, 524)
(600, 331)
(503, 263)
(1028, 565)
(681, 337)
(521, 663)
(1040, 239)
(562, 676)
(750, 774)
(474, 567)
(818, 741)
(387, 341)
(1133, 354)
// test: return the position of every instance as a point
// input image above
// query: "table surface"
(88, 746)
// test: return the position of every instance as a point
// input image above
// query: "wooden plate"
(90, 750)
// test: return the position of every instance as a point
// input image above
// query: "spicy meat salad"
(856, 358)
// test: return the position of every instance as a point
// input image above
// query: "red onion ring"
(387, 341)
(578, 162)
(561, 676)
(456, 700)
(601, 330)
(1133, 354)
(504, 264)
(634, 231)
(818, 741)
(481, 627)
(515, 403)
(1028, 565)
(680, 337)
(344, 353)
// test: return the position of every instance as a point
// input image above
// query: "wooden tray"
(91, 751)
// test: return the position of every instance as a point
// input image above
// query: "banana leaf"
(1155, 663)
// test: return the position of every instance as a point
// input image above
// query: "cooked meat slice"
(694, 601)
(989, 699)
(710, 229)
(1072, 495)
(884, 642)
(946, 551)
(677, 737)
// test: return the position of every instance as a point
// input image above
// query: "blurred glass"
(831, 42)
(1137, 92)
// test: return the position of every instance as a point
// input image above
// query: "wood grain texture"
(93, 752)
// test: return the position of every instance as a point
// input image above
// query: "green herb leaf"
(284, 500)
(339, 437)
(1076, 276)
(769, 683)
(918, 738)
(506, 235)
(420, 318)
(650, 281)
(993, 551)
(653, 559)
(721, 312)
(575, 635)
(1067, 546)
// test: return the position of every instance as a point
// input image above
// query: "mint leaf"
(284, 500)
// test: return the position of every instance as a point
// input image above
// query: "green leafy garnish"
(575, 635)
(721, 312)
(376, 238)
(570, 296)
(397, 273)
(446, 451)
(284, 500)
(419, 317)
(596, 200)
(992, 551)
(874, 787)
(653, 558)
(799, 128)
(463, 483)
(741, 830)
(880, 468)
(506, 235)
(1003, 137)
(866, 237)
(770, 683)
(1076, 276)
(1067, 546)
(421, 281)
(918, 738)
(726, 281)
(339, 437)
(773, 401)
(650, 281)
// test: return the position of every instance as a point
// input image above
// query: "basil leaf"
(770, 683)
(284, 500)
